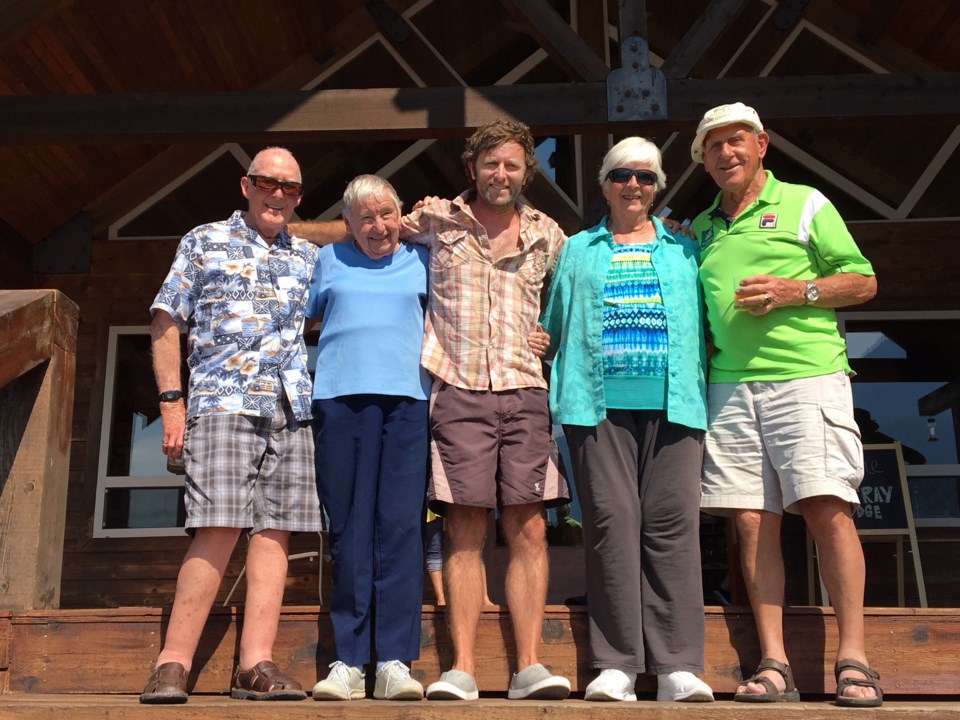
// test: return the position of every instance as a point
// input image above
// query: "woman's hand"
(539, 341)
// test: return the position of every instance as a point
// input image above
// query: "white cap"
(721, 116)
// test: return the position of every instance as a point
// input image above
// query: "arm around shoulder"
(320, 233)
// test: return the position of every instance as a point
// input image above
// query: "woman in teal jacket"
(625, 318)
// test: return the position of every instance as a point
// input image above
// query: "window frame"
(107, 482)
(914, 472)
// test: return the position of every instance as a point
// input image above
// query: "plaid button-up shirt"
(244, 302)
(481, 310)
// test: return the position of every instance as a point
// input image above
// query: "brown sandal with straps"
(871, 679)
(789, 694)
(265, 681)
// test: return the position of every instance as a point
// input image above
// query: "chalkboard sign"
(884, 497)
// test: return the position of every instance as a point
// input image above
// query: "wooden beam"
(561, 41)
(38, 335)
(633, 19)
(701, 36)
(943, 398)
(415, 113)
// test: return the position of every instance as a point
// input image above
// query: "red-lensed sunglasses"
(269, 184)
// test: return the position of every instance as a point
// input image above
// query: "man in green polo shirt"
(776, 260)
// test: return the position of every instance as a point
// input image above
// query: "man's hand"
(759, 294)
(174, 416)
(677, 228)
(428, 200)
(539, 341)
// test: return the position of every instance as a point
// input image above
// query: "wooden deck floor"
(126, 707)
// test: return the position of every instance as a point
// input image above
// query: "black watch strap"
(171, 395)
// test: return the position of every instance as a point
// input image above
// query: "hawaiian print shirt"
(244, 303)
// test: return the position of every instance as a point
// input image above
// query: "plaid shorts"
(251, 472)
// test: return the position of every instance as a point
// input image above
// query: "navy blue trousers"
(371, 454)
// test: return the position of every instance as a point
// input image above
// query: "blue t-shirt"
(372, 330)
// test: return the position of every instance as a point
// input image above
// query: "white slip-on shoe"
(394, 683)
(343, 683)
(682, 686)
(453, 685)
(535, 682)
(612, 685)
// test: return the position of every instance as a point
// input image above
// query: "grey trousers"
(638, 477)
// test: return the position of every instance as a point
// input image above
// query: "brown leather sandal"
(167, 685)
(871, 679)
(789, 694)
(265, 681)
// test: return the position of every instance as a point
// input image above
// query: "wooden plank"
(409, 113)
(104, 707)
(909, 281)
(914, 650)
(38, 350)
(562, 43)
(19, 17)
(701, 36)
(32, 323)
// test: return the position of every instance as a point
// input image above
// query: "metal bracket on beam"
(68, 249)
(636, 91)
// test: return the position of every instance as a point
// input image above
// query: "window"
(907, 388)
(138, 494)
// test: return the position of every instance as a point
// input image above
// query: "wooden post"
(38, 333)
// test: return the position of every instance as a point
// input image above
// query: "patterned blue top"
(244, 302)
(573, 317)
(634, 319)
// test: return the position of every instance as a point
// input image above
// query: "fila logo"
(768, 220)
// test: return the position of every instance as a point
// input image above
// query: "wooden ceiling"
(103, 103)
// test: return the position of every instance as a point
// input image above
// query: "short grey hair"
(633, 150)
(363, 186)
(256, 164)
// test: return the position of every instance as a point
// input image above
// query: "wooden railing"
(38, 345)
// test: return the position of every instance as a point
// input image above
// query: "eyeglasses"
(623, 175)
(269, 184)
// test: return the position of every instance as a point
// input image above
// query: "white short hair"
(633, 150)
(363, 186)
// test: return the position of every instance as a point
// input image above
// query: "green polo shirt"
(791, 231)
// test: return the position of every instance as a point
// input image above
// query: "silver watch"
(812, 293)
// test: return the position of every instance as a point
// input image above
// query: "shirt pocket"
(450, 250)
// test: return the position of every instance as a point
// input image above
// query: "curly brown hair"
(496, 133)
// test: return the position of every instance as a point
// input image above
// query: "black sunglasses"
(269, 184)
(623, 175)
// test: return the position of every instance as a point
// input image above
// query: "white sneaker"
(612, 684)
(343, 683)
(394, 683)
(535, 682)
(683, 686)
(453, 685)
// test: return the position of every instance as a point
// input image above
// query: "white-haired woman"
(370, 401)
(625, 316)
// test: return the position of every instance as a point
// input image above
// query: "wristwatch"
(812, 293)
(171, 395)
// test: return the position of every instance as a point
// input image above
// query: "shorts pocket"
(843, 450)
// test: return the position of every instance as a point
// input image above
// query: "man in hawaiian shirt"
(240, 285)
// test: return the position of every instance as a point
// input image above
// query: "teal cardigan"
(574, 319)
